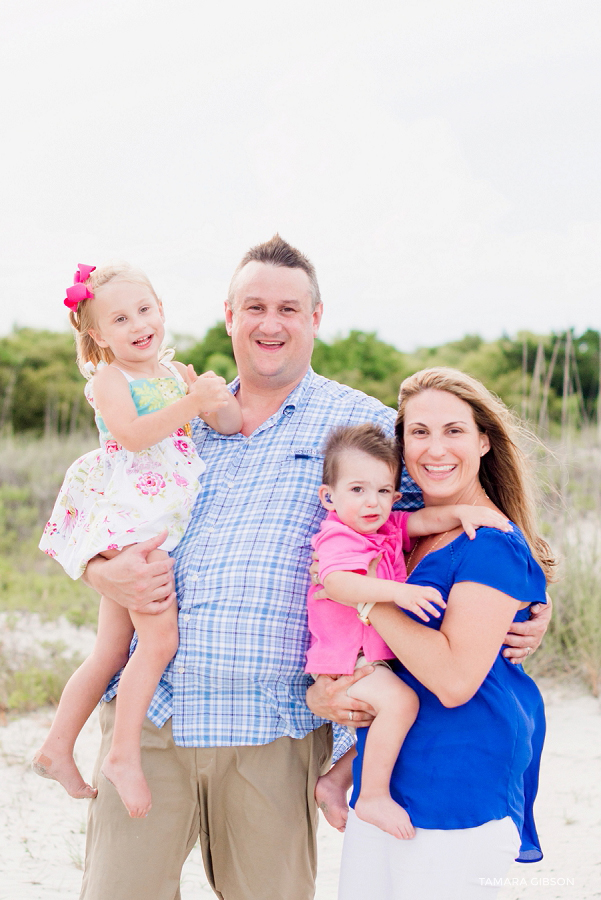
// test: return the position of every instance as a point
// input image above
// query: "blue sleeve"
(343, 741)
(503, 561)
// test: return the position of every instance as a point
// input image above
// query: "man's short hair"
(277, 252)
(368, 438)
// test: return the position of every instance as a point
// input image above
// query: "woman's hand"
(328, 698)
(524, 638)
(132, 581)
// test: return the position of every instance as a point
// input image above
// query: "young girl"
(142, 482)
(360, 475)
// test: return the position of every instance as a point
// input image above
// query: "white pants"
(460, 864)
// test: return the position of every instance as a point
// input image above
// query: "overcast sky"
(438, 160)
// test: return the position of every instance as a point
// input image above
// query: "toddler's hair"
(82, 318)
(367, 438)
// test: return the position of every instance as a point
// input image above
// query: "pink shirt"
(337, 635)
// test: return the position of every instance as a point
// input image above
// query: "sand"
(42, 830)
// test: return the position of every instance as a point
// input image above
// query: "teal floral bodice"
(148, 394)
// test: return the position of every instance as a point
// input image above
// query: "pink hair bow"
(78, 291)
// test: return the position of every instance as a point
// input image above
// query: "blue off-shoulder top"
(462, 767)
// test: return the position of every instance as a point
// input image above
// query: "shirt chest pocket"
(293, 501)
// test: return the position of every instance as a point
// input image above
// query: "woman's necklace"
(431, 550)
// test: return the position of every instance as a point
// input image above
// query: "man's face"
(272, 325)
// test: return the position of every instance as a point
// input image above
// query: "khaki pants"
(253, 808)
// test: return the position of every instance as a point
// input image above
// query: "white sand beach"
(42, 830)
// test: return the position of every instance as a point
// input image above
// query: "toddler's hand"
(472, 517)
(420, 600)
(211, 392)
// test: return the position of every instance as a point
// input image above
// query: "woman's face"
(443, 447)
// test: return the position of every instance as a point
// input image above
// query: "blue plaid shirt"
(241, 573)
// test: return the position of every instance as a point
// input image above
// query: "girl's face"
(443, 447)
(129, 320)
(364, 491)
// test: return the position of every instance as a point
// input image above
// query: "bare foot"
(63, 770)
(129, 782)
(386, 814)
(331, 799)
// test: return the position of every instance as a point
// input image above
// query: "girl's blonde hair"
(505, 471)
(82, 318)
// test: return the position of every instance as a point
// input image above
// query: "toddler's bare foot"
(63, 770)
(386, 814)
(331, 799)
(129, 782)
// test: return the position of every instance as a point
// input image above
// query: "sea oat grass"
(31, 472)
(572, 645)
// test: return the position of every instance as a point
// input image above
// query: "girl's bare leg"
(81, 695)
(396, 706)
(157, 644)
(332, 789)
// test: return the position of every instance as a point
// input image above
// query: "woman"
(468, 771)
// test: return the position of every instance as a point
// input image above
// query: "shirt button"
(181, 670)
(186, 617)
(194, 577)
(210, 530)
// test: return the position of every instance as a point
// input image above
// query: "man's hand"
(132, 581)
(328, 698)
(525, 637)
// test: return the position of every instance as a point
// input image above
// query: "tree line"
(553, 379)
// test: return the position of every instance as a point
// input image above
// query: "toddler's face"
(364, 492)
(129, 320)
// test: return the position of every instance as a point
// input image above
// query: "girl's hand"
(210, 391)
(472, 517)
(420, 600)
(191, 375)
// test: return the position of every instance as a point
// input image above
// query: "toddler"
(140, 486)
(361, 469)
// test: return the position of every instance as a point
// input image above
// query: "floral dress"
(112, 497)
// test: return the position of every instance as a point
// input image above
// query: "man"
(241, 766)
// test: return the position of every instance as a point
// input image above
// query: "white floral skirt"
(112, 497)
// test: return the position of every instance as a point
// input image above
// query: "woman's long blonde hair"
(82, 319)
(505, 471)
